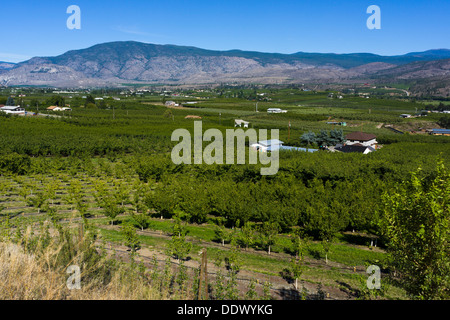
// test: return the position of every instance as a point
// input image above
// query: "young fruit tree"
(131, 237)
(296, 268)
(416, 224)
(179, 247)
(269, 231)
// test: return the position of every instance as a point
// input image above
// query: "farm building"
(355, 148)
(275, 144)
(192, 117)
(54, 108)
(171, 104)
(364, 139)
(276, 110)
(13, 109)
(240, 123)
(267, 145)
(440, 132)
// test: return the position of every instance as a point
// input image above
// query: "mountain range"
(114, 63)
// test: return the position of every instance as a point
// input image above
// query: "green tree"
(56, 101)
(232, 260)
(308, 137)
(247, 235)
(221, 234)
(251, 293)
(336, 137)
(102, 104)
(10, 102)
(164, 200)
(168, 114)
(91, 106)
(269, 231)
(299, 243)
(416, 224)
(326, 247)
(131, 238)
(141, 220)
(89, 99)
(38, 200)
(296, 268)
(444, 122)
(15, 163)
(179, 247)
(111, 208)
(323, 139)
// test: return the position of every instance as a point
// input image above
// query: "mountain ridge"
(131, 61)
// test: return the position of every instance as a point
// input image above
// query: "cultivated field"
(96, 187)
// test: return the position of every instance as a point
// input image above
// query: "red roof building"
(361, 139)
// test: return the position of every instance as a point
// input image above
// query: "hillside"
(117, 62)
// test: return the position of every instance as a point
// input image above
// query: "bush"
(15, 164)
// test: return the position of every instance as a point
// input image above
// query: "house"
(192, 117)
(170, 104)
(54, 108)
(239, 123)
(276, 110)
(405, 115)
(355, 148)
(364, 139)
(267, 145)
(13, 110)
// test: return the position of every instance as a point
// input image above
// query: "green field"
(110, 162)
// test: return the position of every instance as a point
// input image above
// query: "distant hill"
(430, 54)
(6, 65)
(129, 61)
(418, 70)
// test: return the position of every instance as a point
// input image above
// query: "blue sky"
(38, 28)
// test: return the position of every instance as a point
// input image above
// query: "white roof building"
(13, 109)
(276, 110)
(239, 123)
(267, 145)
